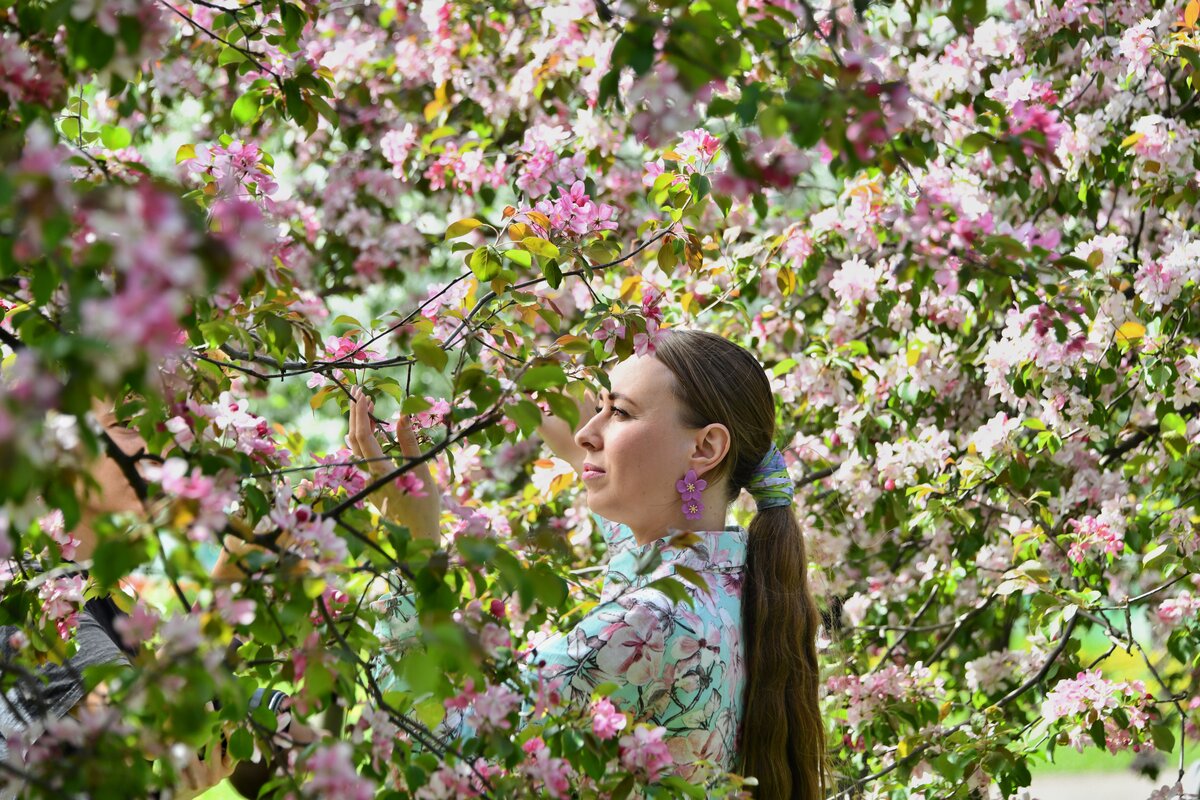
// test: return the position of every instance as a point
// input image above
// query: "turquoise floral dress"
(676, 666)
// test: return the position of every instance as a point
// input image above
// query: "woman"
(735, 678)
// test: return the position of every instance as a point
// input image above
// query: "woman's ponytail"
(783, 738)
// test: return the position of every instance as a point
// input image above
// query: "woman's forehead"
(640, 377)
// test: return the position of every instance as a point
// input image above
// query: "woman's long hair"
(782, 741)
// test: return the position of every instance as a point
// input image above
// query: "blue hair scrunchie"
(771, 485)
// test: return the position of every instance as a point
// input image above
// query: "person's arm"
(560, 437)
(420, 514)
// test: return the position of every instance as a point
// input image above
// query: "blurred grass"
(1067, 760)
(222, 791)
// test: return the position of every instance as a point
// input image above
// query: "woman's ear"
(711, 445)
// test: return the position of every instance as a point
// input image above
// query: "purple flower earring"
(689, 489)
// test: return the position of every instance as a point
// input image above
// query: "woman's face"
(640, 448)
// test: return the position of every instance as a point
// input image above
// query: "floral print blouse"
(676, 666)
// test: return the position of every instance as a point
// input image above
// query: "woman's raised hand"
(418, 508)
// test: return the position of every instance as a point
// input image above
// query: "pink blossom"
(340, 475)
(438, 412)
(1092, 533)
(175, 479)
(1177, 609)
(1136, 44)
(644, 752)
(233, 166)
(698, 146)
(396, 146)
(856, 281)
(607, 721)
(644, 343)
(52, 525)
(574, 213)
(463, 699)
(332, 774)
(61, 599)
(313, 535)
(494, 706)
(235, 612)
(609, 332)
(138, 626)
(554, 774)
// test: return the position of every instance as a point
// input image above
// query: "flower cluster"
(1088, 697)
(574, 214)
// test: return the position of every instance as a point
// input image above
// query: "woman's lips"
(591, 473)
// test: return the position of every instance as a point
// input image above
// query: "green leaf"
(543, 377)
(526, 414)
(115, 137)
(680, 785)
(116, 558)
(245, 110)
(975, 142)
(564, 407)
(230, 55)
(552, 273)
(1173, 423)
(540, 247)
(1163, 736)
(69, 127)
(520, 257)
(241, 745)
(430, 353)
(485, 263)
(673, 589)
(293, 20)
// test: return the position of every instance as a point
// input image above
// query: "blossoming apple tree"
(961, 236)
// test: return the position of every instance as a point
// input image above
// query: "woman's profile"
(734, 677)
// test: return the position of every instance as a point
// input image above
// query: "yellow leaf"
(462, 227)
(914, 354)
(539, 247)
(686, 302)
(1132, 139)
(518, 231)
(1130, 331)
(629, 285)
(186, 152)
(318, 399)
(541, 219)
(786, 280)
(435, 106)
(561, 482)
(1191, 13)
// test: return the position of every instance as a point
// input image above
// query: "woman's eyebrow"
(616, 397)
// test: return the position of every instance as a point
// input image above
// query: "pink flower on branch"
(574, 213)
(644, 752)
(607, 721)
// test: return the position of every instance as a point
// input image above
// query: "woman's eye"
(619, 411)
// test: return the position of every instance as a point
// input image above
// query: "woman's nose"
(588, 436)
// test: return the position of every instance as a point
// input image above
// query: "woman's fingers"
(405, 437)
(219, 764)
